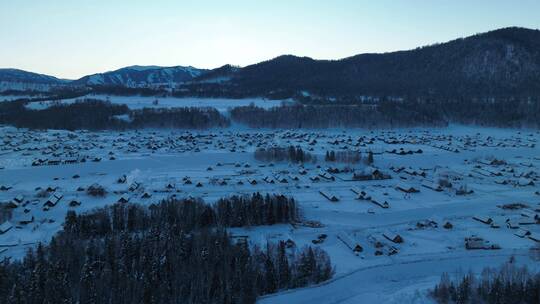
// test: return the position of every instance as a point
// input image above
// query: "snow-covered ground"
(500, 166)
(15, 97)
(139, 102)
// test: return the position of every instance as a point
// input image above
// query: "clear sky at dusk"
(73, 38)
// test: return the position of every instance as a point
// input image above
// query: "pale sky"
(73, 38)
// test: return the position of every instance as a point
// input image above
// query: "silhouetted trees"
(501, 112)
(193, 118)
(370, 160)
(254, 210)
(386, 113)
(91, 114)
(278, 154)
(101, 115)
(348, 156)
(507, 284)
(5, 212)
(177, 251)
(334, 115)
(186, 215)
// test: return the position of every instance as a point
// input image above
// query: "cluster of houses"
(385, 243)
(52, 148)
(475, 242)
(515, 174)
(60, 148)
(520, 222)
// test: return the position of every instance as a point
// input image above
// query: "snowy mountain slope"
(141, 76)
(19, 80)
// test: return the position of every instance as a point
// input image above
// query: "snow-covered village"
(405, 175)
(456, 197)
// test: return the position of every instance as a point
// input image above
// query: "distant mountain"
(142, 76)
(19, 80)
(500, 62)
(504, 62)
(218, 75)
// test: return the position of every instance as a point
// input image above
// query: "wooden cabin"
(380, 202)
(511, 224)
(26, 219)
(134, 186)
(393, 237)
(350, 243)
(122, 179)
(19, 199)
(53, 200)
(326, 176)
(475, 243)
(406, 188)
(124, 199)
(535, 237)
(522, 233)
(315, 178)
(432, 185)
(483, 219)
(5, 227)
(329, 196)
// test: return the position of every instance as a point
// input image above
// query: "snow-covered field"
(139, 102)
(499, 166)
(4, 98)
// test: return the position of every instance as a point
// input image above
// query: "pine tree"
(284, 274)
(270, 275)
(370, 158)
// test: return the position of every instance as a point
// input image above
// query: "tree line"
(185, 118)
(351, 157)
(346, 112)
(506, 284)
(335, 115)
(129, 253)
(94, 114)
(5, 212)
(185, 215)
(389, 113)
(91, 115)
(255, 210)
(279, 154)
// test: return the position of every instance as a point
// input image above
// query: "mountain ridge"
(137, 76)
(500, 62)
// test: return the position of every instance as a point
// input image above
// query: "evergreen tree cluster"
(279, 154)
(335, 115)
(93, 114)
(184, 118)
(413, 111)
(507, 112)
(255, 210)
(129, 253)
(184, 215)
(351, 157)
(5, 212)
(507, 284)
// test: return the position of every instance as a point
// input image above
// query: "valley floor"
(480, 170)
